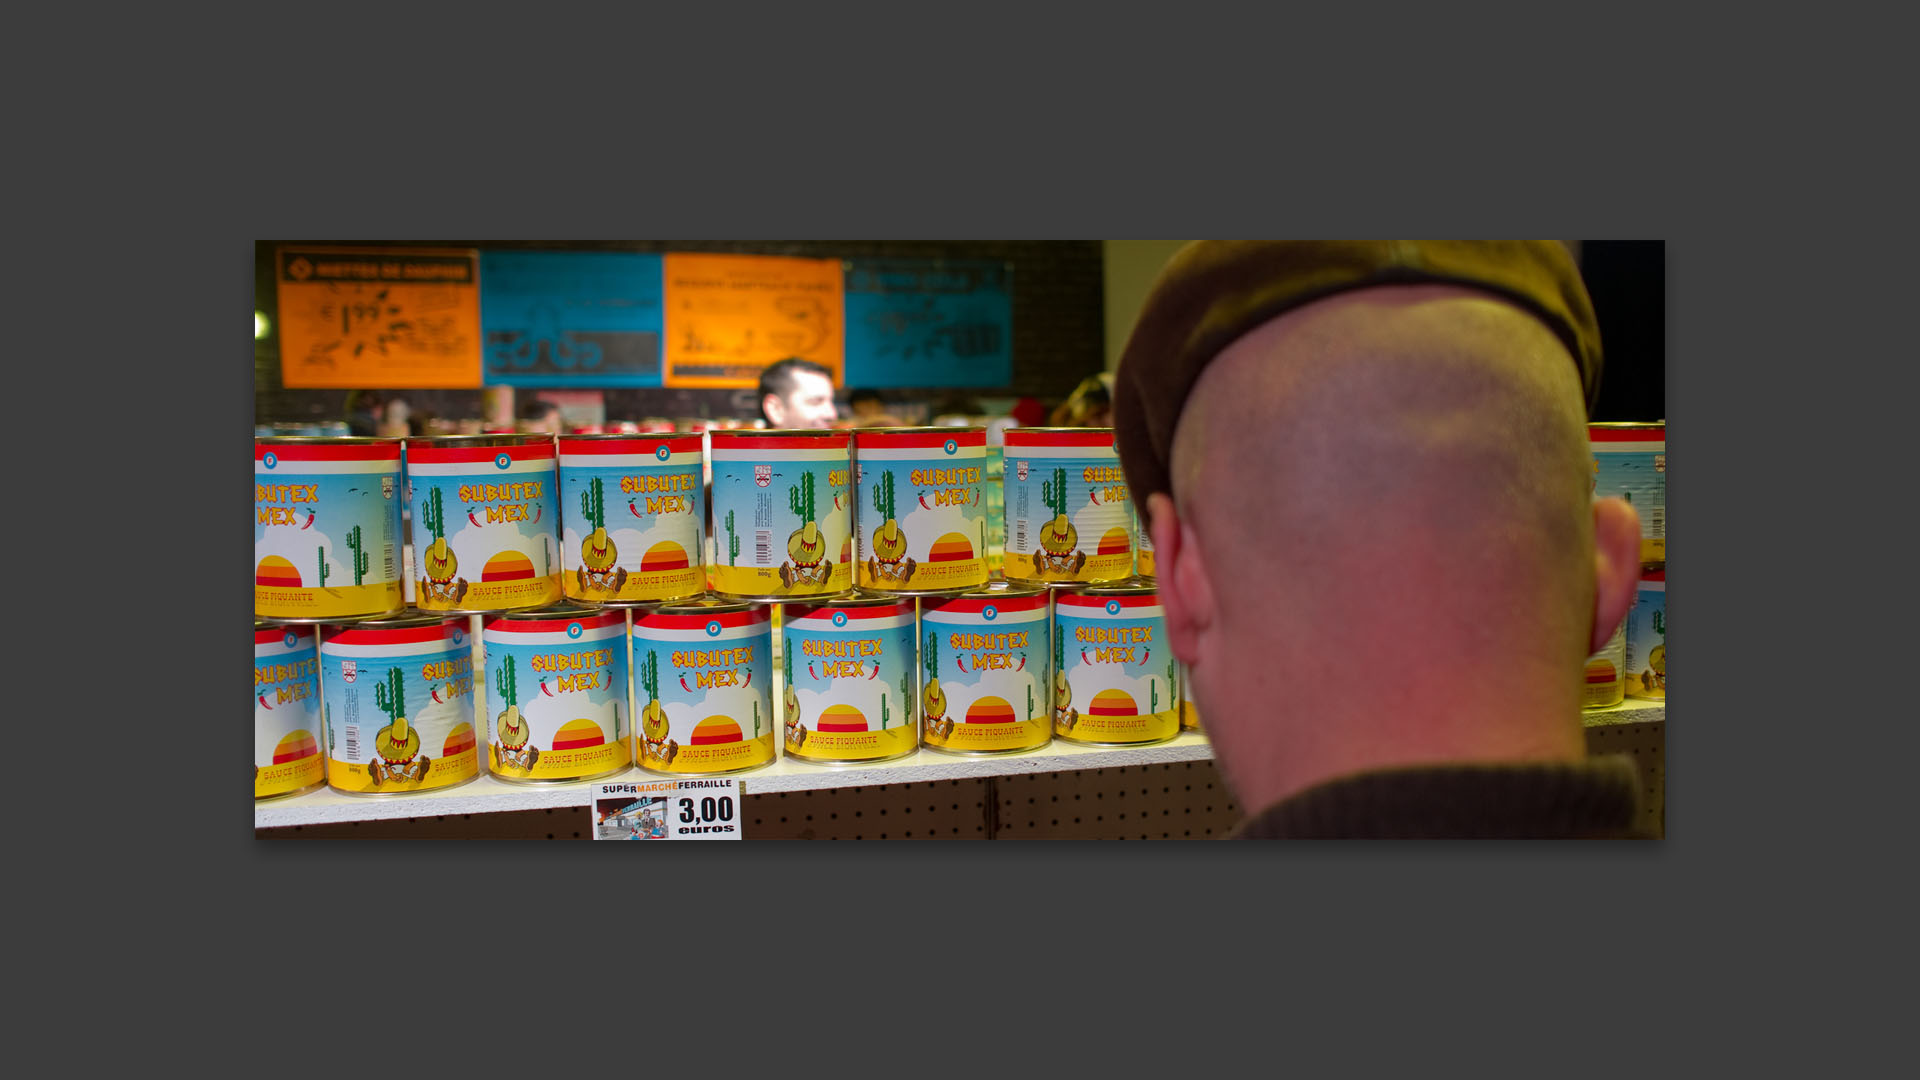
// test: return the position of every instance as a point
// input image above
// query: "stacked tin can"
(1630, 462)
(1070, 530)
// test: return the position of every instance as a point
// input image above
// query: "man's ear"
(1616, 566)
(774, 409)
(1185, 592)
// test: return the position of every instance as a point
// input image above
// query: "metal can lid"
(1002, 588)
(325, 440)
(1129, 587)
(561, 610)
(704, 606)
(1014, 432)
(786, 433)
(406, 620)
(1627, 423)
(516, 439)
(933, 430)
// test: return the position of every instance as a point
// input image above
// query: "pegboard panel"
(1647, 743)
(938, 810)
(563, 823)
(1178, 801)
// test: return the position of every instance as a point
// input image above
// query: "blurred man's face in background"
(809, 405)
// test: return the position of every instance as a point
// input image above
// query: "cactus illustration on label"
(437, 560)
(733, 542)
(653, 718)
(324, 572)
(906, 693)
(398, 743)
(1063, 717)
(806, 548)
(790, 702)
(361, 563)
(889, 544)
(1059, 541)
(598, 552)
(512, 726)
(934, 700)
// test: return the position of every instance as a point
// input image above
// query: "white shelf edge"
(487, 795)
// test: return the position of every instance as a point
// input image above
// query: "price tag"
(686, 809)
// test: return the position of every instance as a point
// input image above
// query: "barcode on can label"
(353, 742)
(763, 547)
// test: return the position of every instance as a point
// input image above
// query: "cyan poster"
(928, 323)
(570, 318)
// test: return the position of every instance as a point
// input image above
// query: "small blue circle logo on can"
(952, 447)
(270, 460)
(1113, 607)
(839, 618)
(458, 635)
(292, 639)
(662, 452)
(502, 461)
(573, 629)
(988, 613)
(713, 628)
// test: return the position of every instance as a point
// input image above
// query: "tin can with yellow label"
(557, 694)
(1116, 683)
(398, 699)
(921, 524)
(1142, 549)
(703, 682)
(850, 670)
(327, 529)
(286, 712)
(1647, 639)
(1189, 715)
(782, 514)
(1067, 510)
(485, 530)
(1630, 461)
(1605, 685)
(985, 657)
(633, 514)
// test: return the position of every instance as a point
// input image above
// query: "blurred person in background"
(538, 417)
(869, 410)
(1090, 404)
(796, 393)
(1367, 474)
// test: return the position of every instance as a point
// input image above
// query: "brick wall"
(1058, 325)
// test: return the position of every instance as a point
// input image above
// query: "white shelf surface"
(487, 795)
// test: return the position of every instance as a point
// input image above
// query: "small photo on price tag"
(667, 810)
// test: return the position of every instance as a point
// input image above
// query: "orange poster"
(378, 318)
(729, 316)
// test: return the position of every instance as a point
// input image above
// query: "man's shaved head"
(1384, 500)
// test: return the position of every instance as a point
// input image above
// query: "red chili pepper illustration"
(876, 673)
(309, 519)
(684, 686)
(923, 503)
(1144, 655)
(810, 673)
(537, 509)
(1083, 657)
(1023, 663)
(962, 661)
(470, 516)
(836, 501)
(543, 688)
(634, 510)
(1093, 496)
(263, 702)
(749, 679)
(435, 695)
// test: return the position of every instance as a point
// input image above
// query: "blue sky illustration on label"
(827, 679)
(315, 525)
